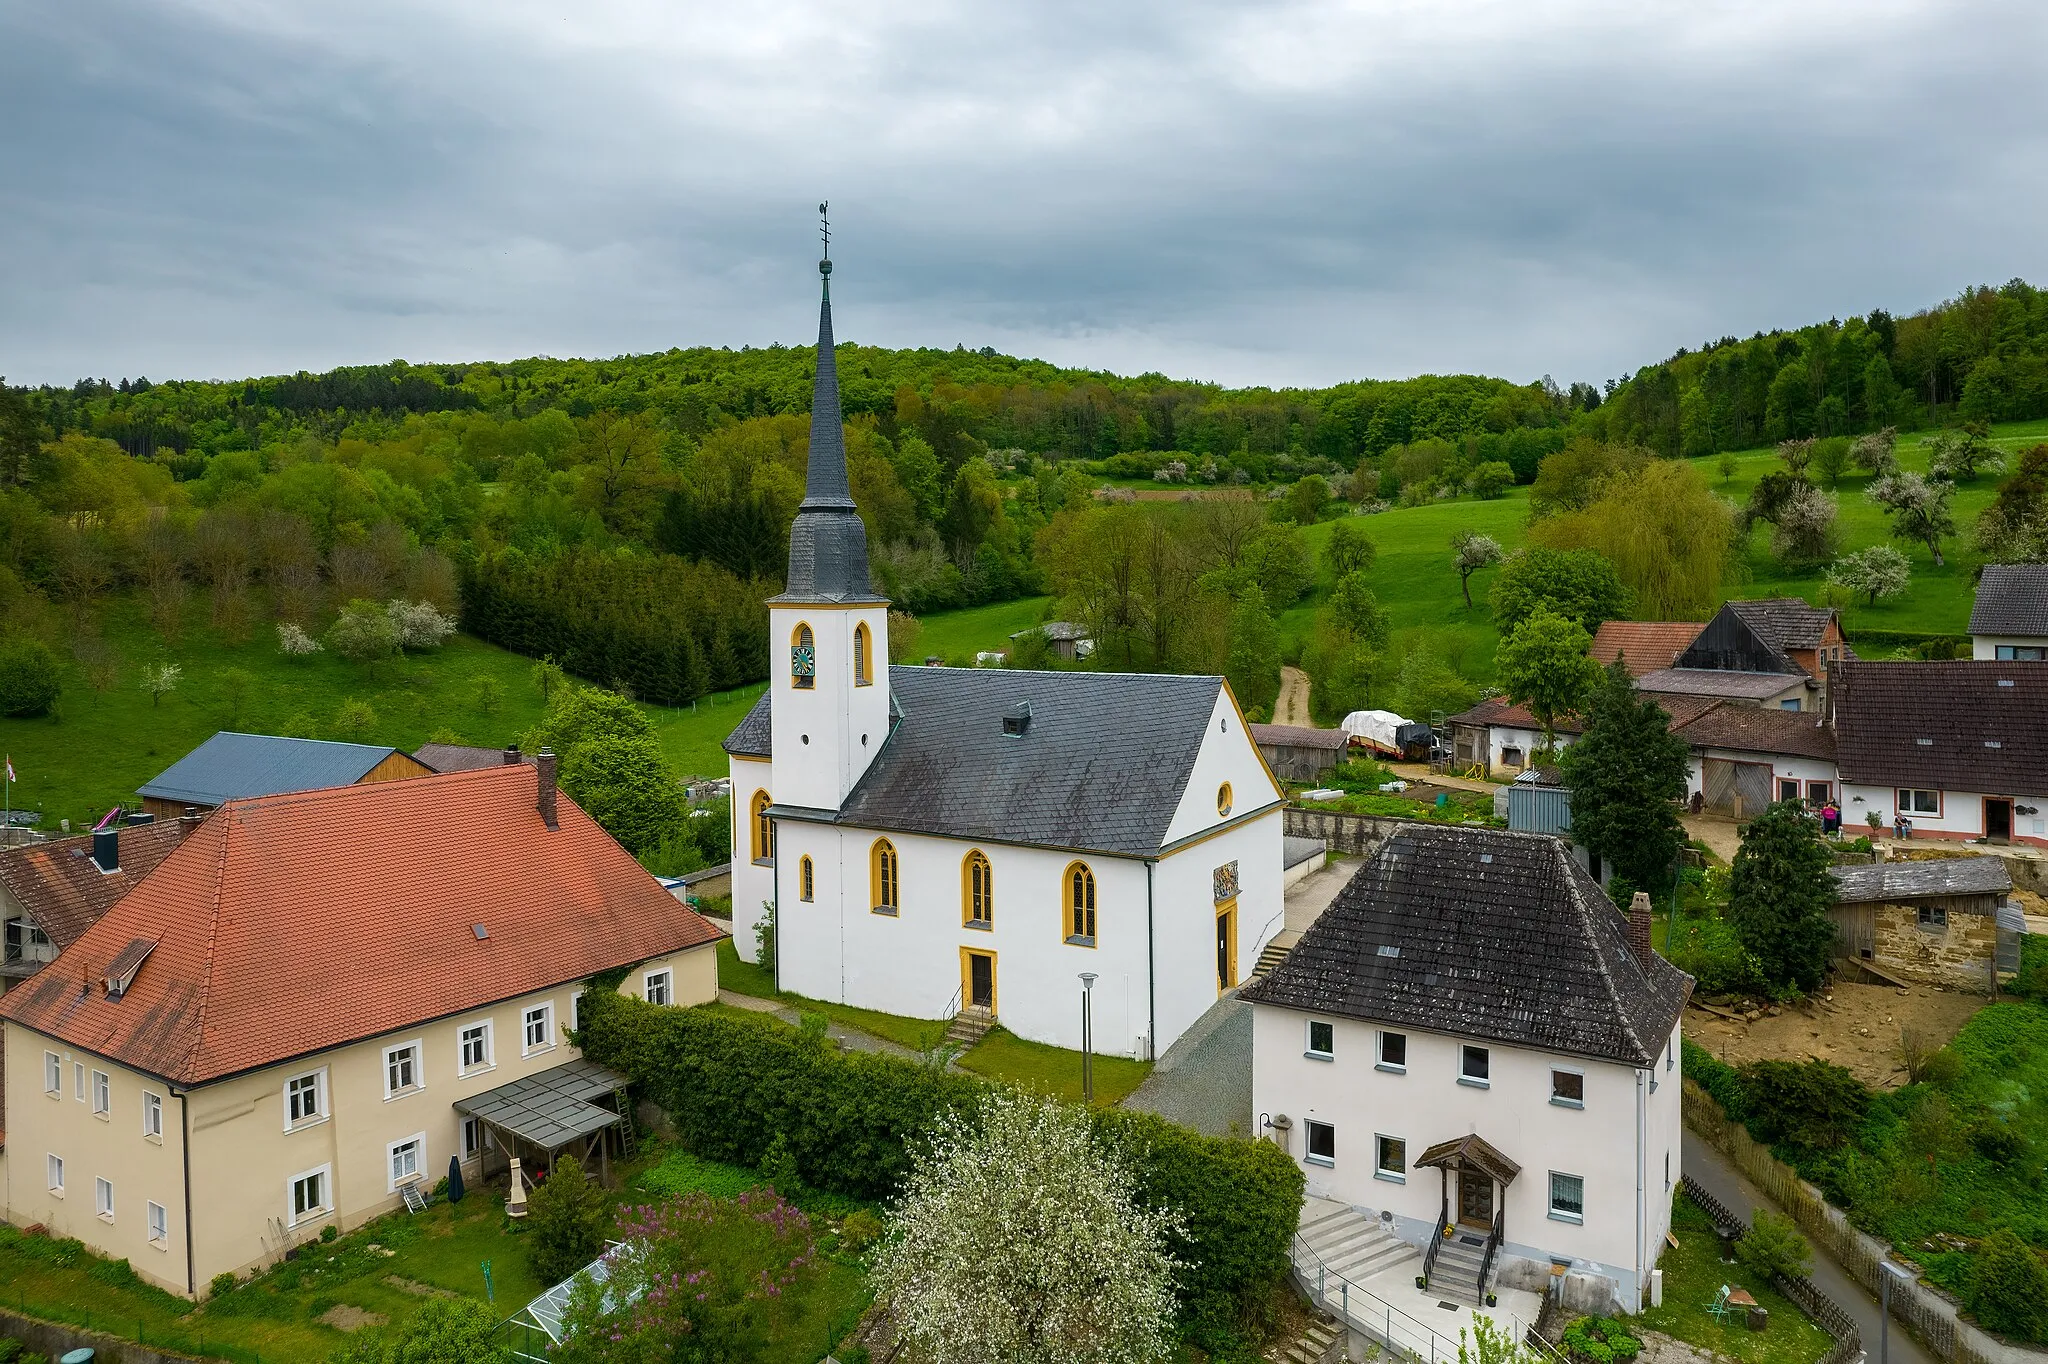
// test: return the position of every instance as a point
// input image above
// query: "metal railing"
(1367, 1313)
(1436, 1243)
(1493, 1241)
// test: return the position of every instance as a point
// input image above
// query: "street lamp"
(1088, 1036)
(1892, 1273)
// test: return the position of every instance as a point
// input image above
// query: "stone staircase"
(1455, 1276)
(1348, 1244)
(969, 1026)
(1321, 1343)
(1275, 953)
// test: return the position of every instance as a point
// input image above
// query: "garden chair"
(1719, 1307)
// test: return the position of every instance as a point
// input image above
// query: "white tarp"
(1380, 728)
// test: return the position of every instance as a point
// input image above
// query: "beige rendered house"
(317, 999)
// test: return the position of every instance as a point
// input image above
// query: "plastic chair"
(1719, 1307)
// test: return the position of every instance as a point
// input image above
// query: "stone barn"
(1934, 922)
(1296, 753)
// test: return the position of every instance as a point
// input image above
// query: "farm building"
(1298, 754)
(1773, 653)
(1068, 640)
(1936, 921)
(1643, 645)
(1745, 757)
(232, 766)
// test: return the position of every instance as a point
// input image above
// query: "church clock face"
(803, 663)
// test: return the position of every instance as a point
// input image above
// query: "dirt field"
(1292, 706)
(1855, 1026)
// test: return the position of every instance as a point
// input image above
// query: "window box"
(1475, 1066)
(1322, 1143)
(1393, 1056)
(1322, 1040)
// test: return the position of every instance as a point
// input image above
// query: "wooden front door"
(981, 980)
(1475, 1199)
(1226, 946)
(1997, 819)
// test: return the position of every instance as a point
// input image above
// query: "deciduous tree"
(1872, 572)
(1470, 552)
(626, 786)
(1919, 509)
(1254, 667)
(1544, 666)
(1577, 583)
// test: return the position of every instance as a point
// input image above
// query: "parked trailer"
(1389, 735)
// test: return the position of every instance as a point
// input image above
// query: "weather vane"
(825, 226)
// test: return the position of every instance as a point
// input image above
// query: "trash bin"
(1759, 1317)
(79, 1356)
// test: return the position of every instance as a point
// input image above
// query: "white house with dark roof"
(2009, 618)
(1475, 1050)
(965, 843)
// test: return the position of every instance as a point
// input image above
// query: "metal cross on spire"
(825, 226)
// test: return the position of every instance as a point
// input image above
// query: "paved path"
(1291, 707)
(1205, 1079)
(1726, 1183)
(851, 1039)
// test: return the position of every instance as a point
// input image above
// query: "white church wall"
(826, 735)
(1227, 755)
(1184, 916)
(753, 883)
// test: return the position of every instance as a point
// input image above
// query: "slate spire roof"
(828, 545)
(1485, 934)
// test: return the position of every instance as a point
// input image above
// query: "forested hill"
(1982, 356)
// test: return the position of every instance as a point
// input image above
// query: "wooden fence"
(1823, 1309)
(1925, 1314)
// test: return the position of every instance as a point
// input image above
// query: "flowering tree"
(1019, 1237)
(1919, 508)
(694, 1280)
(294, 642)
(1872, 572)
(417, 624)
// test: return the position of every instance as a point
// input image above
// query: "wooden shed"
(1934, 921)
(1296, 753)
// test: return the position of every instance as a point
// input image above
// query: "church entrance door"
(981, 980)
(1226, 945)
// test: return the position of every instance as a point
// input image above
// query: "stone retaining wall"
(56, 1340)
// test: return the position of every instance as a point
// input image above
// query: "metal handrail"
(1493, 1241)
(1387, 1323)
(1436, 1243)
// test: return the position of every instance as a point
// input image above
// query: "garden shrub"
(1814, 1104)
(444, 1331)
(1709, 951)
(1714, 1075)
(732, 1084)
(222, 1283)
(860, 1230)
(2032, 981)
(566, 1218)
(2009, 1287)
(1600, 1340)
(778, 1165)
(29, 680)
(1773, 1246)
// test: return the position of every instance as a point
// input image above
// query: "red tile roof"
(60, 885)
(1647, 644)
(289, 924)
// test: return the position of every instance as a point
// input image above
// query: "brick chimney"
(545, 766)
(1639, 927)
(512, 755)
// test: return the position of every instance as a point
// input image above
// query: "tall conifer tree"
(1625, 772)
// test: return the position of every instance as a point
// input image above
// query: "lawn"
(1052, 1070)
(745, 978)
(956, 636)
(1693, 1275)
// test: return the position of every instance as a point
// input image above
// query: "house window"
(1790, 704)
(476, 1046)
(1932, 917)
(53, 1073)
(152, 1114)
(1223, 801)
(159, 1225)
(1322, 1039)
(863, 652)
(1322, 1143)
(882, 877)
(979, 893)
(102, 1094)
(1474, 1063)
(1567, 1197)
(1080, 905)
(54, 1170)
(1788, 788)
(2022, 653)
(806, 885)
(302, 1099)
(78, 1080)
(309, 1194)
(1568, 1088)
(1393, 1052)
(1390, 1157)
(539, 1025)
(103, 1199)
(803, 659)
(764, 830)
(1510, 756)
(660, 987)
(405, 1159)
(402, 1069)
(1819, 793)
(473, 1137)
(1914, 802)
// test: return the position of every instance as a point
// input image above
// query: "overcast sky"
(1251, 193)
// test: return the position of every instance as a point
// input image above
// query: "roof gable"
(2012, 599)
(1786, 622)
(232, 766)
(1884, 881)
(290, 924)
(1644, 645)
(64, 890)
(1963, 725)
(1487, 934)
(1737, 640)
(1761, 729)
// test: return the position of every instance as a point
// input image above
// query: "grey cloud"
(1276, 194)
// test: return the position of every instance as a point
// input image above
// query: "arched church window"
(863, 655)
(764, 828)
(803, 659)
(882, 874)
(1080, 916)
(806, 885)
(978, 894)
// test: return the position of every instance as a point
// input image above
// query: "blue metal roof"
(232, 766)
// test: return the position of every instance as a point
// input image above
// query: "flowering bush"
(693, 1279)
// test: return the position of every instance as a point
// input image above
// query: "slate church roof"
(2012, 599)
(1485, 934)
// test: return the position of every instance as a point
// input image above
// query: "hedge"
(732, 1083)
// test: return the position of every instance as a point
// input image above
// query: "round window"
(1223, 799)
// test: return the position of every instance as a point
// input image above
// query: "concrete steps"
(1455, 1276)
(969, 1026)
(1350, 1245)
(1274, 954)
(1321, 1343)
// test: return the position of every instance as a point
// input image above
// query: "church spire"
(828, 546)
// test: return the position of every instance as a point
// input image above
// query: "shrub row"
(663, 628)
(733, 1084)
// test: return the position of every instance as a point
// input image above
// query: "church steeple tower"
(830, 691)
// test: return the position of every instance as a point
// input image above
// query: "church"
(938, 841)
